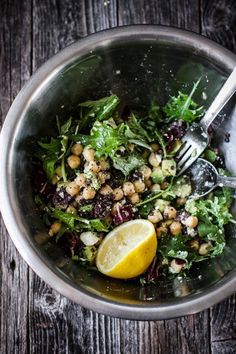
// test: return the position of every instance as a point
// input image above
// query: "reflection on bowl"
(138, 63)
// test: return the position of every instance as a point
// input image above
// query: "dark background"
(33, 317)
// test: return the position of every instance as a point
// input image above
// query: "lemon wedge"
(127, 250)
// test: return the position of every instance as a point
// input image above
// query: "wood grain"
(15, 69)
(173, 13)
(218, 18)
(35, 318)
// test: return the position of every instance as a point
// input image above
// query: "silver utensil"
(196, 138)
(205, 178)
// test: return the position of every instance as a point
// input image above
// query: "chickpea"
(155, 147)
(55, 228)
(139, 186)
(155, 188)
(161, 230)
(103, 176)
(93, 167)
(105, 190)
(73, 161)
(58, 171)
(194, 244)
(134, 198)
(204, 249)
(128, 188)
(145, 171)
(72, 188)
(191, 221)
(81, 180)
(88, 154)
(78, 198)
(181, 201)
(148, 183)
(77, 149)
(118, 194)
(170, 212)
(164, 185)
(154, 159)
(131, 147)
(175, 228)
(155, 216)
(104, 164)
(55, 179)
(88, 193)
(175, 267)
(71, 209)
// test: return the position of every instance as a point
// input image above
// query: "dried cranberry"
(219, 162)
(61, 199)
(180, 261)
(122, 214)
(176, 131)
(153, 271)
(74, 242)
(125, 112)
(42, 185)
(136, 175)
(102, 207)
(117, 178)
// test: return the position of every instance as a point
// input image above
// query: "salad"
(109, 165)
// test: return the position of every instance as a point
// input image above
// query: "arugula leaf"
(49, 167)
(99, 225)
(136, 129)
(98, 110)
(52, 147)
(126, 164)
(64, 128)
(183, 107)
(177, 247)
(76, 223)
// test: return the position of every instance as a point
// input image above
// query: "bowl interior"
(138, 70)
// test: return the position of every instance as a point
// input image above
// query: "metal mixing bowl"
(138, 63)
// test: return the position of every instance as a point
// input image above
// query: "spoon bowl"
(205, 178)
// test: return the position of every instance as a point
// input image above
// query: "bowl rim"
(181, 306)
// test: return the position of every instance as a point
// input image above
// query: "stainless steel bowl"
(138, 63)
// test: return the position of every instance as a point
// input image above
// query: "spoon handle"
(221, 99)
(226, 181)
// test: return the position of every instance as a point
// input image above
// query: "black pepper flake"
(227, 137)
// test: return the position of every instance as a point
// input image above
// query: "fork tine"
(187, 165)
(183, 149)
(186, 156)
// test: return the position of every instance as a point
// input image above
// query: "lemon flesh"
(128, 250)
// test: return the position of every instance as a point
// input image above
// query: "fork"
(196, 139)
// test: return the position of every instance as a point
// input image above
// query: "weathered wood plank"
(15, 69)
(179, 13)
(34, 318)
(57, 24)
(223, 326)
(56, 324)
(218, 21)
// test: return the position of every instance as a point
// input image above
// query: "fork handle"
(220, 100)
(223, 181)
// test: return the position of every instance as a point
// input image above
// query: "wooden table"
(35, 318)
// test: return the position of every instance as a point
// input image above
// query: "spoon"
(205, 178)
